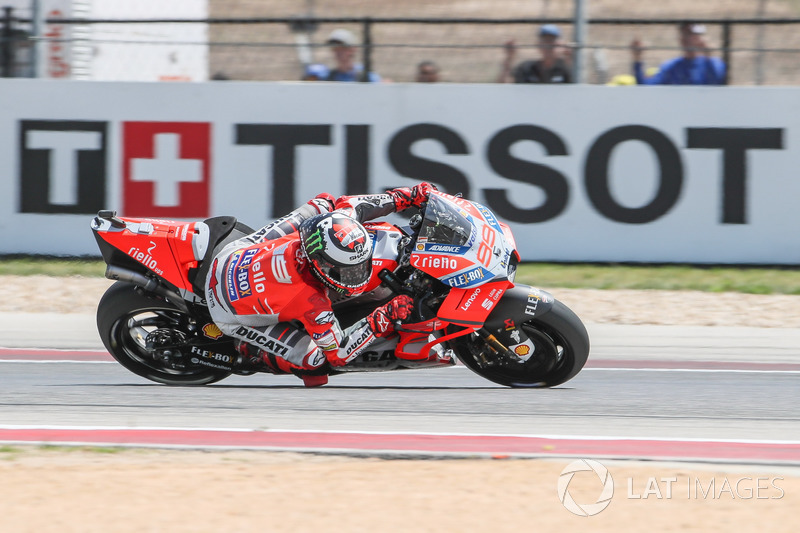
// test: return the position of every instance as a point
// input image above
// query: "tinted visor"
(349, 277)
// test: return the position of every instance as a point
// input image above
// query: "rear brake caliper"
(165, 346)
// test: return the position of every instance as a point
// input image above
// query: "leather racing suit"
(258, 288)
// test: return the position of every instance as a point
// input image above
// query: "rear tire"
(124, 319)
(561, 350)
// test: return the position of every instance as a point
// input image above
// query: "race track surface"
(708, 394)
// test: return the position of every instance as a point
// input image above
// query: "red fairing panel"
(163, 246)
(470, 307)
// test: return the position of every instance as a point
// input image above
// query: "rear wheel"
(561, 350)
(140, 332)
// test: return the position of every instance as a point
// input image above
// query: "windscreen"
(444, 224)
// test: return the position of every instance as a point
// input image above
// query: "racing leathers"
(260, 291)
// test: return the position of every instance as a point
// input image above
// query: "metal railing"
(15, 32)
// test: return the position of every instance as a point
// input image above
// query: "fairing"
(461, 243)
(165, 247)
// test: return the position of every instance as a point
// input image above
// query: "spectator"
(427, 72)
(343, 43)
(694, 67)
(551, 68)
(315, 72)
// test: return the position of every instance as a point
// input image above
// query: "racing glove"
(323, 202)
(382, 319)
(405, 197)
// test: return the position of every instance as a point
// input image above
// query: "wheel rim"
(130, 332)
(551, 356)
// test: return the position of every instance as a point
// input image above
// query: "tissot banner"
(581, 173)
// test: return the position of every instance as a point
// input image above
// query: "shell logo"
(522, 349)
(212, 331)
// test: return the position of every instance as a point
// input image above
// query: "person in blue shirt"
(343, 43)
(694, 67)
(315, 72)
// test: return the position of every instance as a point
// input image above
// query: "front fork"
(502, 330)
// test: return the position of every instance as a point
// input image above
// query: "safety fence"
(758, 51)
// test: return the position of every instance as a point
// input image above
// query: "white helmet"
(339, 252)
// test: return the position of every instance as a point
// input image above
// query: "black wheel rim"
(130, 331)
(551, 359)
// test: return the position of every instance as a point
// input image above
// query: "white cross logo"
(167, 169)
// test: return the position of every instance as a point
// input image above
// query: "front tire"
(125, 318)
(561, 350)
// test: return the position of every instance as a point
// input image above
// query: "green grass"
(83, 449)
(49, 266)
(669, 277)
(578, 276)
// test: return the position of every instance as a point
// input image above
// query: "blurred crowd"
(553, 63)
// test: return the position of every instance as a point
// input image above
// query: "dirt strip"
(37, 294)
(56, 490)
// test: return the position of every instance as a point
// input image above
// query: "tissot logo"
(62, 166)
(166, 169)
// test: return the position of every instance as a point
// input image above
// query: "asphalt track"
(710, 394)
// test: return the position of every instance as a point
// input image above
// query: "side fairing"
(166, 248)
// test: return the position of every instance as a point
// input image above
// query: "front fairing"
(461, 243)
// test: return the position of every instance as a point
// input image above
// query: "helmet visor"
(350, 277)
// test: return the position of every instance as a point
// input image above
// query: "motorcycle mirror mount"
(111, 216)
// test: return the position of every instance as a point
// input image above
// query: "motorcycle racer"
(272, 289)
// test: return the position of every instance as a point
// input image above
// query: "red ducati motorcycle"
(454, 258)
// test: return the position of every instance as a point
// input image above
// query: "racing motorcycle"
(454, 258)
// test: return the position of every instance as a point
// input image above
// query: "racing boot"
(251, 357)
(315, 381)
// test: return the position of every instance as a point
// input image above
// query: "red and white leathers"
(259, 287)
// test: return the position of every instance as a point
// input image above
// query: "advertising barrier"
(581, 173)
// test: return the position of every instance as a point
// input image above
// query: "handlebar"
(391, 281)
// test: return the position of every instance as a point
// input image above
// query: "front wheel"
(133, 325)
(561, 350)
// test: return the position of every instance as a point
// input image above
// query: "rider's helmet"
(339, 252)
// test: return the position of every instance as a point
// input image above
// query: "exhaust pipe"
(148, 284)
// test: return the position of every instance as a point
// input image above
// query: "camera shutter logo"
(586, 509)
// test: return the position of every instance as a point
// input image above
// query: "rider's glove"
(381, 320)
(323, 202)
(405, 197)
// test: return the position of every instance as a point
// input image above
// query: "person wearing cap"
(551, 68)
(343, 45)
(694, 67)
